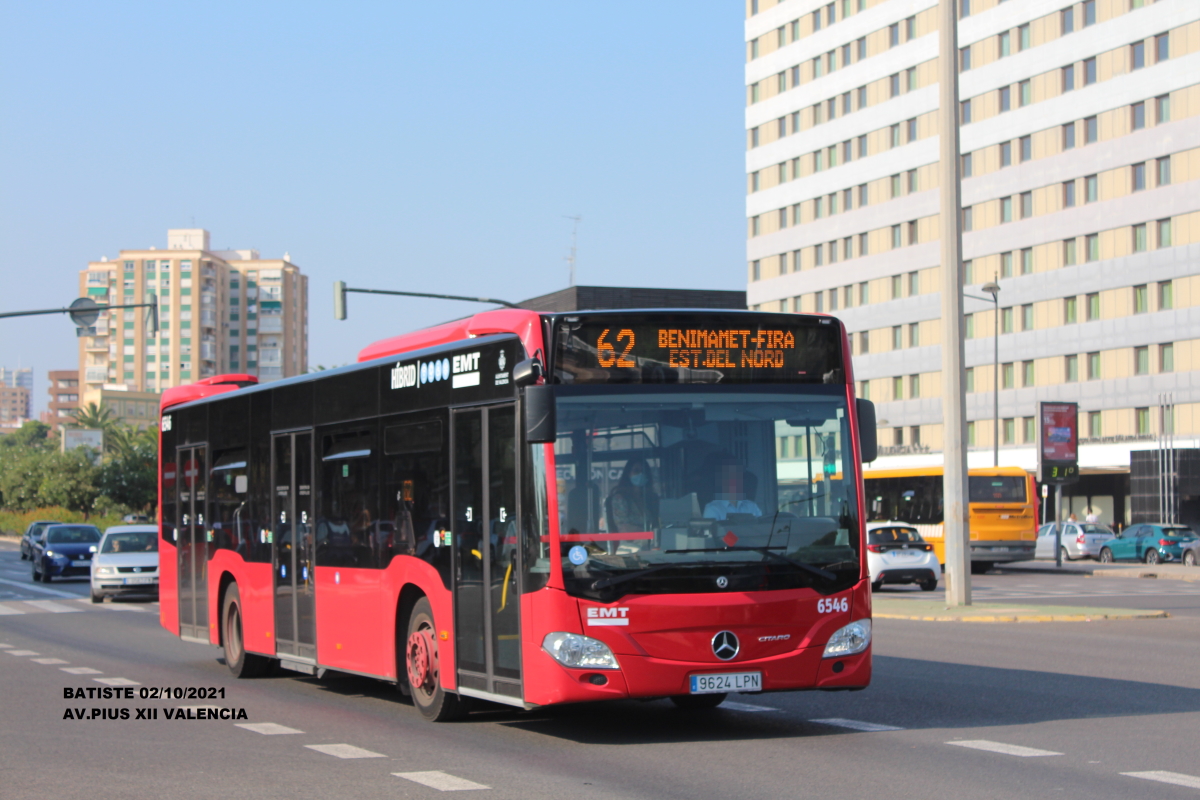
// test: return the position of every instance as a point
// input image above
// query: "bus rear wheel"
(240, 663)
(422, 666)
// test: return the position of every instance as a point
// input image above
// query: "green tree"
(130, 472)
(70, 480)
(32, 434)
(95, 417)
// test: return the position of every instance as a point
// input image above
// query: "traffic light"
(339, 299)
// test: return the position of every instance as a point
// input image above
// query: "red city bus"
(533, 509)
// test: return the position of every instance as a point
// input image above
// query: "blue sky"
(433, 147)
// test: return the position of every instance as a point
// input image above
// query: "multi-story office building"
(64, 397)
(1080, 143)
(14, 407)
(220, 311)
(21, 377)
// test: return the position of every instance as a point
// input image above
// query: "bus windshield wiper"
(766, 551)
(604, 583)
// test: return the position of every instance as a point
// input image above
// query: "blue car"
(64, 551)
(1153, 543)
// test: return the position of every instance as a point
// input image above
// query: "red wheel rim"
(422, 660)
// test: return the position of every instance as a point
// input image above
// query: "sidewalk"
(934, 611)
(1095, 569)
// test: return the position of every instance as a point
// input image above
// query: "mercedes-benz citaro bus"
(533, 509)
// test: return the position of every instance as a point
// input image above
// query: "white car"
(126, 562)
(896, 553)
(1079, 540)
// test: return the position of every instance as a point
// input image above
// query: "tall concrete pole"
(954, 400)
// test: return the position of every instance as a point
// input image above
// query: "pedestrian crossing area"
(10, 608)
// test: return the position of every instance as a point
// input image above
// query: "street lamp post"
(993, 289)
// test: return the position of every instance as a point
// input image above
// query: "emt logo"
(607, 616)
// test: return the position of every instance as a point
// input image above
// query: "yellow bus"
(1003, 510)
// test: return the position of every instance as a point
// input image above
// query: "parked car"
(896, 553)
(1079, 540)
(126, 562)
(1149, 542)
(31, 533)
(64, 550)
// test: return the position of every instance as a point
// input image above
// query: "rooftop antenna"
(575, 220)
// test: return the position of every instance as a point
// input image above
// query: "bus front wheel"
(423, 669)
(240, 663)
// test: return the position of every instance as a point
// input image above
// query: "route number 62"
(828, 605)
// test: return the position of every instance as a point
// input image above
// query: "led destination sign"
(716, 348)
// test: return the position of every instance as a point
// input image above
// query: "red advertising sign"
(1058, 442)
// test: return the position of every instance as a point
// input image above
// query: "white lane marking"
(8, 610)
(49, 661)
(22, 653)
(110, 606)
(51, 606)
(440, 781)
(267, 728)
(80, 670)
(32, 588)
(344, 751)
(5, 645)
(856, 724)
(117, 681)
(1006, 749)
(745, 707)
(1162, 776)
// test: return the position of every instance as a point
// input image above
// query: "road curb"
(1026, 617)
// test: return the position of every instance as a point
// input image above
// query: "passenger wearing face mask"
(633, 505)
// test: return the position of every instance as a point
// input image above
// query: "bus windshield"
(695, 489)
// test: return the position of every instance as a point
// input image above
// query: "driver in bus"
(731, 493)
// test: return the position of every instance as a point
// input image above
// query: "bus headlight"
(582, 652)
(848, 640)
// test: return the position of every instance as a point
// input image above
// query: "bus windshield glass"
(691, 489)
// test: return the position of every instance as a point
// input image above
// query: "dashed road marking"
(8, 611)
(1005, 749)
(1162, 776)
(81, 670)
(267, 728)
(344, 751)
(31, 588)
(857, 725)
(5, 645)
(51, 606)
(49, 661)
(440, 781)
(745, 707)
(110, 606)
(22, 653)
(116, 681)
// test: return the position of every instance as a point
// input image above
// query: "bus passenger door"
(192, 552)
(486, 569)
(292, 546)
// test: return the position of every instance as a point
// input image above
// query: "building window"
(1089, 72)
(1006, 154)
(1005, 44)
(968, 272)
(894, 85)
(1006, 320)
(895, 135)
(1069, 252)
(1029, 424)
(1007, 376)
(911, 132)
(1070, 311)
(914, 386)
(967, 170)
(1143, 421)
(970, 326)
(1091, 130)
(1137, 55)
(1093, 246)
(965, 114)
(894, 34)
(1139, 238)
(864, 293)
(1137, 115)
(912, 232)
(755, 270)
(964, 58)
(898, 392)
(1068, 136)
(1026, 205)
(1010, 430)
(1093, 366)
(1068, 78)
(1027, 317)
(1023, 37)
(1091, 189)
(1166, 299)
(1005, 99)
(914, 334)
(895, 236)
(864, 342)
(895, 186)
(1089, 13)
(1027, 261)
(897, 337)
(1071, 368)
(968, 219)
(1027, 374)
(1006, 209)
(1162, 47)
(1166, 358)
(970, 382)
(864, 390)
(1094, 429)
(1141, 361)
(970, 434)
(819, 255)
(1006, 265)
(914, 283)
(1026, 149)
(1093, 306)
(1164, 171)
(1141, 299)
(1067, 16)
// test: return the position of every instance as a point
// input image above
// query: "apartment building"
(220, 311)
(14, 407)
(1080, 145)
(22, 377)
(64, 397)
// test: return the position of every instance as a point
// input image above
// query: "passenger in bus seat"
(633, 506)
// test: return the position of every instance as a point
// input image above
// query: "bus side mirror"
(540, 423)
(868, 443)
(526, 372)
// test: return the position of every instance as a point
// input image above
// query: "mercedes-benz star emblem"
(725, 645)
(722, 582)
